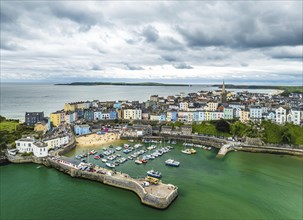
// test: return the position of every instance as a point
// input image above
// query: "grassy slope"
(9, 126)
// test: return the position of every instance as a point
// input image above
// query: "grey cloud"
(96, 67)
(182, 66)
(284, 52)
(169, 58)
(150, 34)
(133, 67)
(168, 43)
(9, 45)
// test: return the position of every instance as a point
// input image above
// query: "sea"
(239, 186)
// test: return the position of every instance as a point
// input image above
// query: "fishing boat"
(110, 165)
(154, 174)
(173, 163)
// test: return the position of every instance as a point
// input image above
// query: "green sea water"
(239, 186)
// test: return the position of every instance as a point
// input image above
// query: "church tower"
(223, 93)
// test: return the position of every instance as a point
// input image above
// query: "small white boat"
(173, 163)
(110, 165)
(154, 173)
(104, 160)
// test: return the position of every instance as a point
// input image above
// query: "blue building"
(89, 115)
(80, 113)
(82, 129)
(118, 105)
(163, 117)
(113, 115)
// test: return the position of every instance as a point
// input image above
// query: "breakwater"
(272, 150)
(161, 198)
(158, 196)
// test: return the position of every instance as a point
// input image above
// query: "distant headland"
(120, 84)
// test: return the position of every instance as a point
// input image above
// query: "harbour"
(241, 184)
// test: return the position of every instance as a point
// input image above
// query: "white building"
(212, 106)
(56, 141)
(105, 115)
(97, 115)
(40, 149)
(255, 113)
(183, 106)
(25, 144)
(280, 115)
(294, 116)
(29, 145)
(135, 114)
(216, 115)
(155, 117)
(271, 116)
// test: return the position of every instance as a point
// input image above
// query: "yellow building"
(207, 116)
(244, 116)
(70, 107)
(57, 117)
(41, 127)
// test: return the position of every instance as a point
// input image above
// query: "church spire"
(223, 88)
(223, 94)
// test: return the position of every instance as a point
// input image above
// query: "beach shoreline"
(94, 139)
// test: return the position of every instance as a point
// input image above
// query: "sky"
(257, 42)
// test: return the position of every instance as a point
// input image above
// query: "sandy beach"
(97, 139)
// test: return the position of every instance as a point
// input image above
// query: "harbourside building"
(82, 129)
(56, 141)
(30, 145)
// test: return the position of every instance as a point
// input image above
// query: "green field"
(9, 126)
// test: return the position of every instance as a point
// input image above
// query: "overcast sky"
(195, 42)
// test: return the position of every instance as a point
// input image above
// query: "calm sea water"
(240, 186)
(16, 99)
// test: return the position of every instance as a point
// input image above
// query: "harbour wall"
(126, 182)
(272, 150)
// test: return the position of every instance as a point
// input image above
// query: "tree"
(222, 126)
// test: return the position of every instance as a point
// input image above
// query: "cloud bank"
(178, 41)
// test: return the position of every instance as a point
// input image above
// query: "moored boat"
(110, 165)
(138, 161)
(173, 163)
(154, 173)
(186, 151)
(97, 157)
